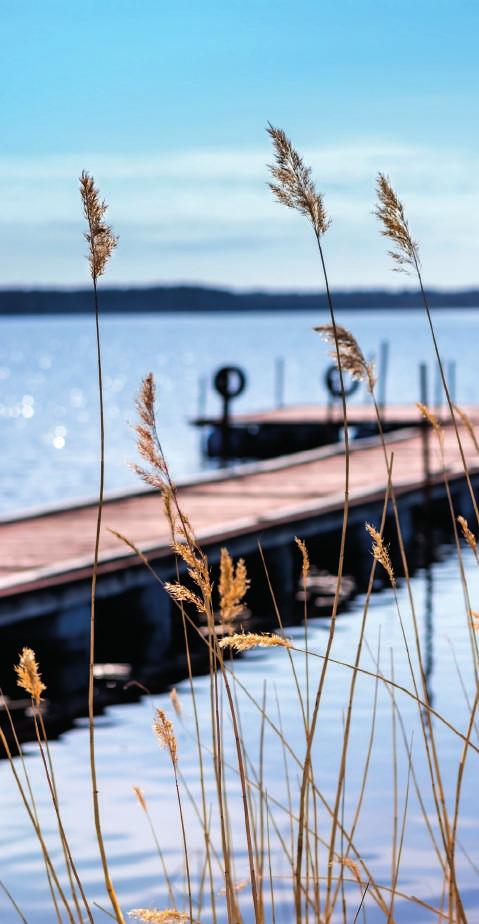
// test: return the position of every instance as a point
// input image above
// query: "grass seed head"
(351, 357)
(140, 796)
(467, 533)
(28, 675)
(99, 237)
(304, 555)
(390, 213)
(175, 702)
(164, 731)
(293, 185)
(233, 585)
(168, 916)
(381, 552)
(244, 641)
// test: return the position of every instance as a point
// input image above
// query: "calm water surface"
(128, 755)
(48, 397)
(48, 425)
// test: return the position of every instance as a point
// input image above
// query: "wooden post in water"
(382, 373)
(438, 390)
(202, 395)
(451, 379)
(279, 377)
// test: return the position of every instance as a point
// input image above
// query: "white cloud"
(207, 215)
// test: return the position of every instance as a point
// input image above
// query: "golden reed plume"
(148, 444)
(293, 185)
(140, 796)
(380, 552)
(233, 585)
(304, 556)
(390, 212)
(168, 916)
(350, 354)
(243, 641)
(100, 238)
(175, 702)
(164, 731)
(467, 533)
(28, 675)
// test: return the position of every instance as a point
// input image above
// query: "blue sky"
(166, 103)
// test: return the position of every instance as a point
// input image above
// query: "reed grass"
(302, 846)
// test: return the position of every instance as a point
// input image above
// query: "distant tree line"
(196, 298)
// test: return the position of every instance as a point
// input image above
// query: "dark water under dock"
(128, 754)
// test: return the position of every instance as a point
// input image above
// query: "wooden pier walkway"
(49, 551)
(400, 414)
(263, 434)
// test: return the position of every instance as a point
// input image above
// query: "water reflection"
(128, 754)
(154, 657)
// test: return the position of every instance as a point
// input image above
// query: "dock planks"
(56, 547)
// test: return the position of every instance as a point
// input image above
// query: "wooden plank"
(320, 413)
(55, 546)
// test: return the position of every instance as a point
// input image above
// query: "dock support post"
(202, 396)
(451, 378)
(280, 564)
(383, 372)
(438, 393)
(279, 377)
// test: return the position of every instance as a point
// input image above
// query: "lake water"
(48, 396)
(48, 426)
(128, 755)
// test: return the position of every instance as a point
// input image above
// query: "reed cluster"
(282, 847)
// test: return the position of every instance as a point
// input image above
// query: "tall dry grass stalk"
(193, 559)
(294, 187)
(295, 836)
(101, 244)
(405, 254)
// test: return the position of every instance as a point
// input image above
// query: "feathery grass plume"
(168, 916)
(233, 585)
(350, 354)
(294, 186)
(28, 675)
(432, 419)
(175, 702)
(466, 420)
(304, 555)
(390, 212)
(148, 444)
(243, 641)
(380, 552)
(157, 475)
(164, 731)
(100, 238)
(182, 594)
(140, 796)
(467, 533)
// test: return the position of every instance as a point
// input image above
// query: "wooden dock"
(262, 434)
(46, 559)
(397, 414)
